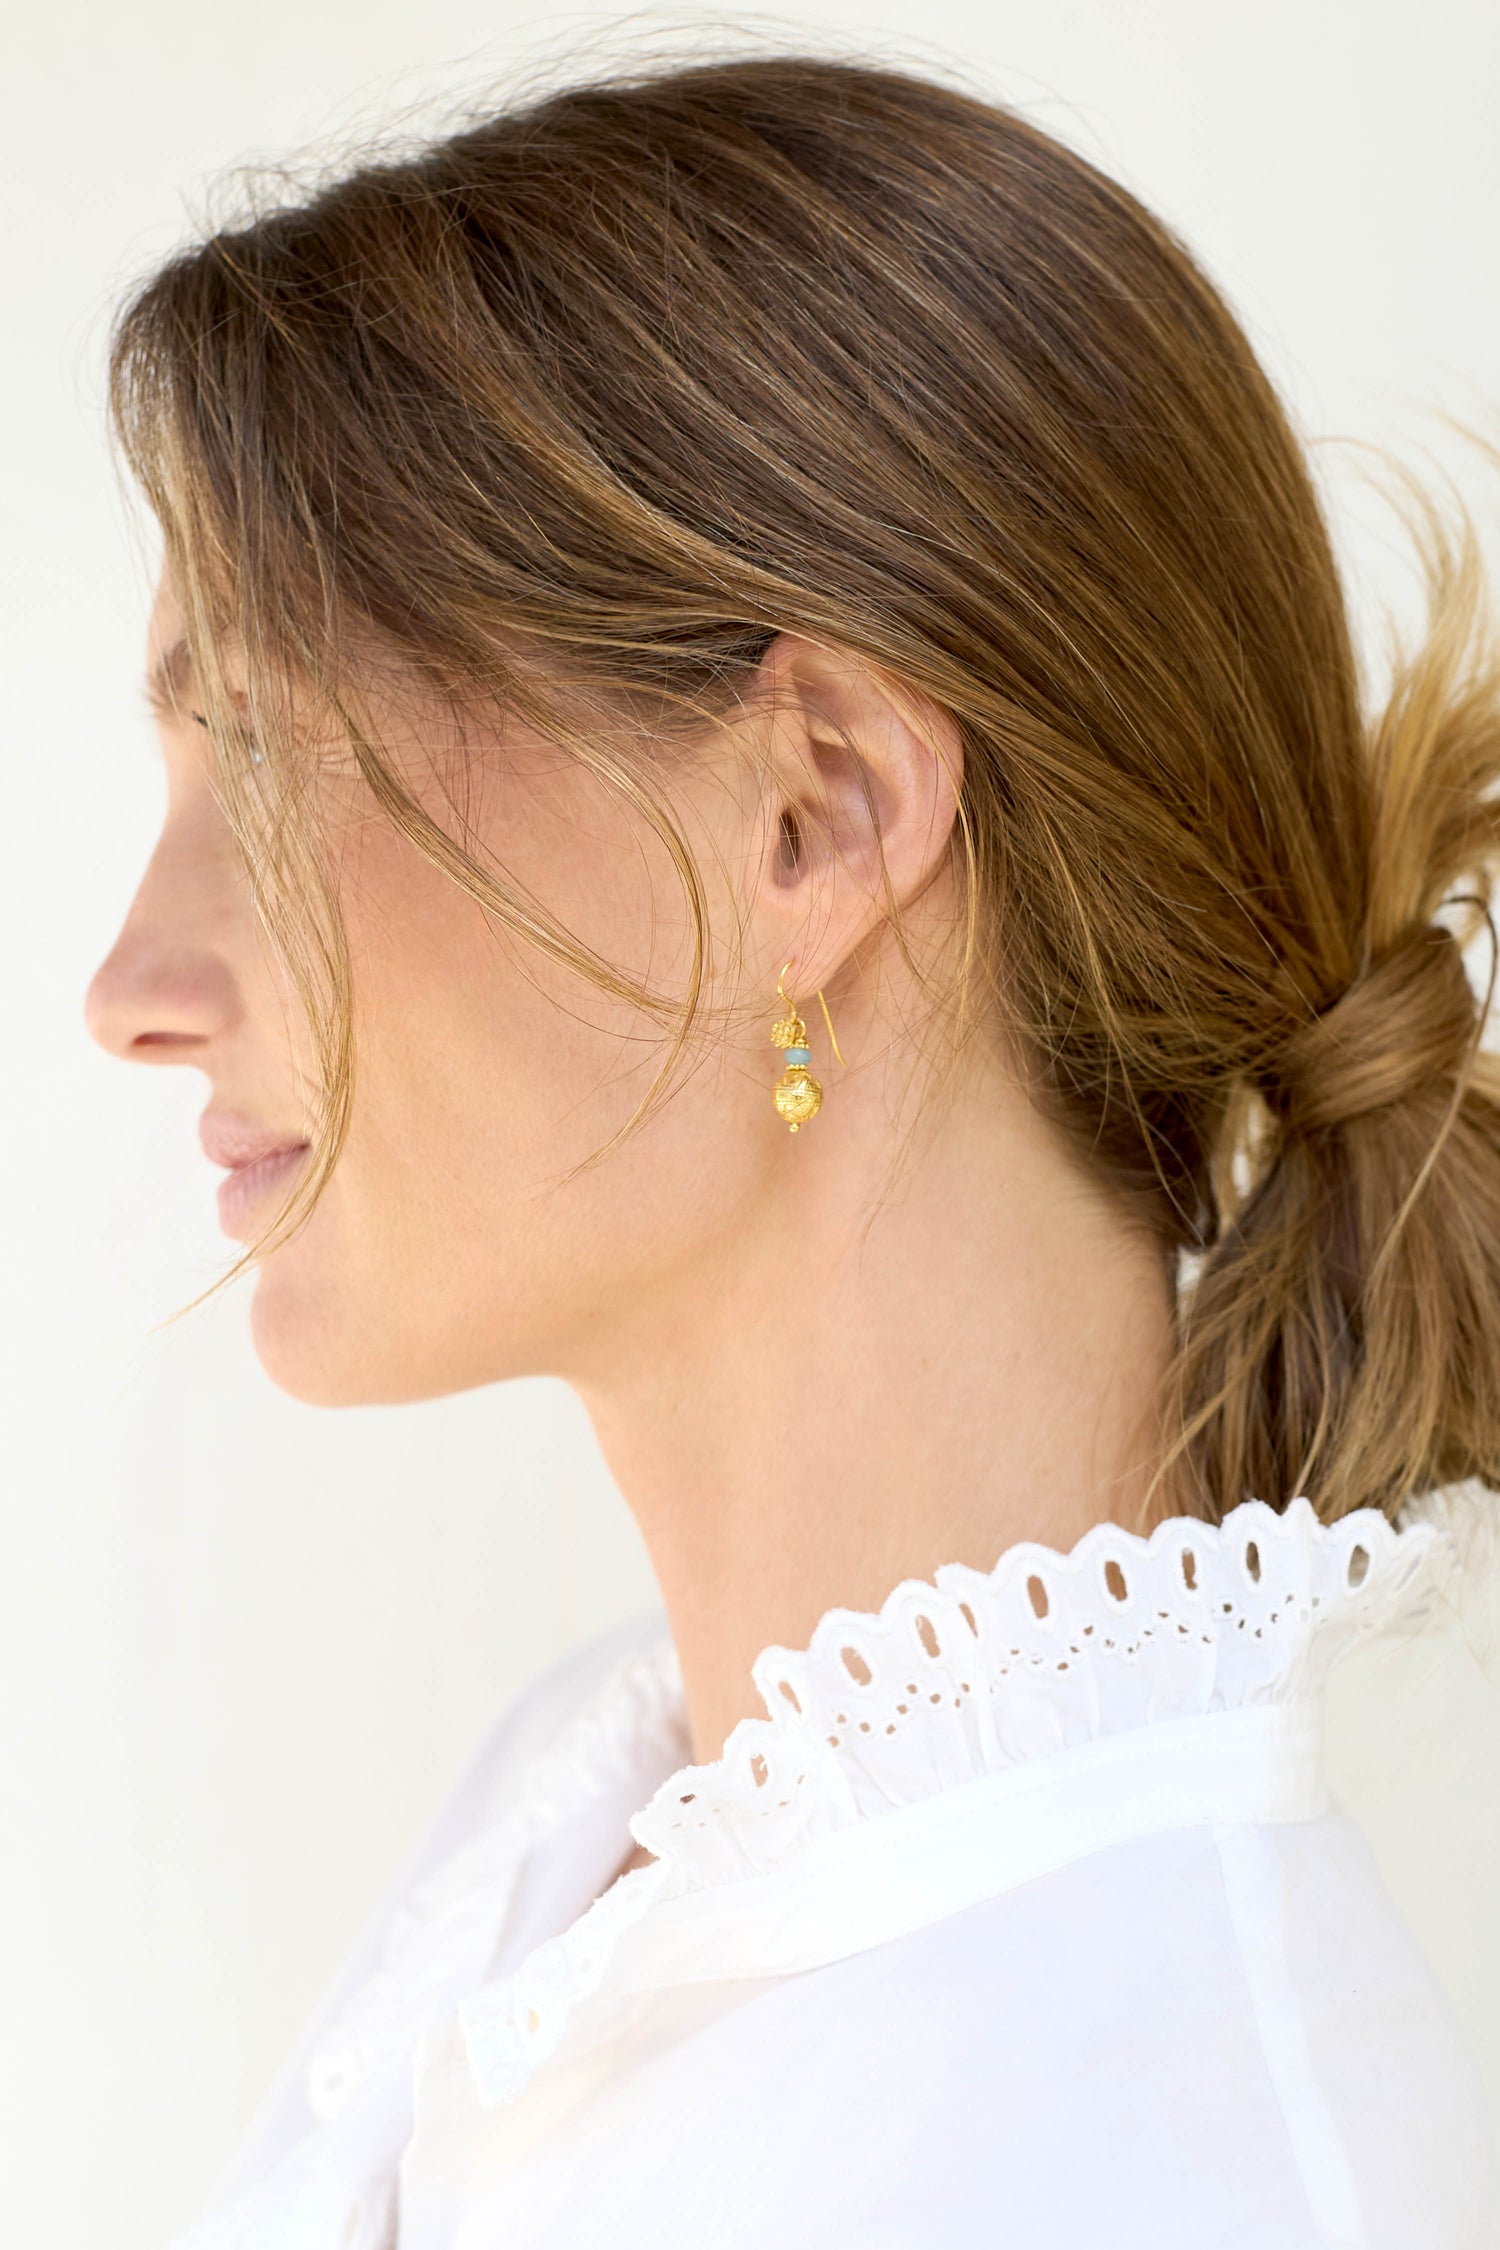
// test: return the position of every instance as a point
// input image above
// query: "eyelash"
(257, 757)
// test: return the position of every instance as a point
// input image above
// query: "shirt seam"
(1221, 1833)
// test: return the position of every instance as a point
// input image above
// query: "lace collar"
(960, 1681)
(969, 1697)
(976, 1679)
(977, 1671)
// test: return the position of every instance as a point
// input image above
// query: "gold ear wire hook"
(833, 1035)
(822, 1003)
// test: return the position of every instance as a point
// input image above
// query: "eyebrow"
(169, 679)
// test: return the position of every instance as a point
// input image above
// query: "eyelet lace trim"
(968, 1675)
(977, 1671)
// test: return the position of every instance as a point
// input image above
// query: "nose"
(165, 989)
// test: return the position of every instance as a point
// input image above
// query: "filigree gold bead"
(791, 1031)
(797, 1096)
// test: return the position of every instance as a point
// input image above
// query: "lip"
(257, 1162)
(233, 1140)
(250, 1184)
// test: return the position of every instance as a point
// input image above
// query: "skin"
(809, 1382)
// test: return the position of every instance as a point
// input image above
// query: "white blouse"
(1022, 1921)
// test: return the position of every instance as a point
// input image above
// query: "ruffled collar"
(977, 1671)
(925, 1745)
(954, 1683)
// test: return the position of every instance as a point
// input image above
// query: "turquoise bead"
(799, 1054)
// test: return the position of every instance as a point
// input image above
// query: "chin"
(312, 1347)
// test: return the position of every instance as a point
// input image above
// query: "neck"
(881, 1382)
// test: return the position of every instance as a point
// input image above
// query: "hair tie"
(1405, 1024)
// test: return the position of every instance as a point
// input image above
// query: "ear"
(865, 775)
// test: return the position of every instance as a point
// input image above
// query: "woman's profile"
(773, 812)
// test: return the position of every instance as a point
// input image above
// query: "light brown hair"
(575, 409)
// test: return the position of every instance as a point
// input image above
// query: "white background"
(245, 1645)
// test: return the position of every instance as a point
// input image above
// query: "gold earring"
(796, 1093)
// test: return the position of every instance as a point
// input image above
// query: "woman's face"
(444, 1253)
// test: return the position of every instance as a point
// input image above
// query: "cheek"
(462, 1050)
(454, 1249)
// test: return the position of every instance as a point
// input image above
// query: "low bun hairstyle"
(581, 405)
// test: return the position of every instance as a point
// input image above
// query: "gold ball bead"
(797, 1096)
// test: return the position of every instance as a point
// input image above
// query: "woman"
(770, 814)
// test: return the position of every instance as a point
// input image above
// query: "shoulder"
(536, 1739)
(450, 1889)
(1203, 2036)
(534, 1718)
